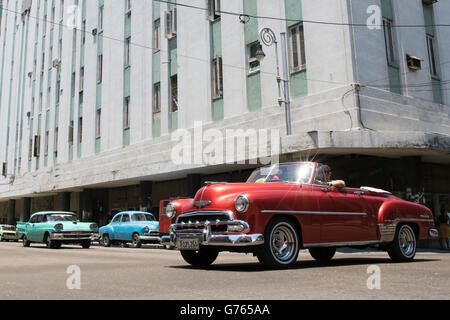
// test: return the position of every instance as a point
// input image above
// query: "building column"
(193, 184)
(11, 212)
(25, 209)
(85, 213)
(62, 201)
(145, 196)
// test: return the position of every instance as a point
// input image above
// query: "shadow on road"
(257, 267)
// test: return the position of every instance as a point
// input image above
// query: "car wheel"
(403, 248)
(201, 258)
(86, 244)
(106, 240)
(281, 244)
(137, 243)
(25, 242)
(322, 254)
(49, 242)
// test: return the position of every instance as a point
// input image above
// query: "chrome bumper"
(151, 237)
(207, 238)
(74, 236)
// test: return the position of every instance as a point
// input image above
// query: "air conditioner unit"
(414, 63)
(94, 32)
(56, 63)
(429, 2)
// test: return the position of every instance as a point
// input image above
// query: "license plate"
(188, 244)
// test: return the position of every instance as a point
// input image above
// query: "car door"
(348, 218)
(115, 227)
(125, 227)
(33, 227)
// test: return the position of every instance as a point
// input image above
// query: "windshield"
(142, 217)
(61, 217)
(283, 173)
(8, 228)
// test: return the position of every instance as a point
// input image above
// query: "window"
(171, 23)
(117, 219)
(253, 63)
(126, 218)
(46, 143)
(99, 68)
(213, 9)
(156, 35)
(389, 39)
(49, 91)
(217, 78)
(37, 146)
(126, 113)
(81, 79)
(297, 48)
(100, 18)
(127, 5)
(80, 130)
(98, 116)
(30, 149)
(43, 63)
(74, 40)
(432, 56)
(57, 91)
(55, 142)
(174, 93)
(83, 32)
(40, 102)
(61, 10)
(157, 97)
(50, 57)
(127, 52)
(71, 133)
(72, 86)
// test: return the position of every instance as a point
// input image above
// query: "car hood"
(73, 226)
(222, 196)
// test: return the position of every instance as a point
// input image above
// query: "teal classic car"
(55, 228)
(8, 233)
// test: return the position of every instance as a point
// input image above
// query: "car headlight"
(59, 226)
(93, 226)
(146, 229)
(170, 210)
(241, 204)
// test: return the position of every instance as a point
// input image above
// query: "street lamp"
(268, 38)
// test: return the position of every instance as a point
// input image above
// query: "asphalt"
(152, 273)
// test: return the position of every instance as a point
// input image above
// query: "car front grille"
(196, 221)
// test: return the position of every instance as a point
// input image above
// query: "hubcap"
(407, 241)
(283, 243)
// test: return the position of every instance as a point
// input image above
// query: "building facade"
(93, 95)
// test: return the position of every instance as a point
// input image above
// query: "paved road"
(151, 273)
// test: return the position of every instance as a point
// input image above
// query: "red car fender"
(395, 210)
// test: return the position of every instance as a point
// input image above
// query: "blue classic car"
(136, 227)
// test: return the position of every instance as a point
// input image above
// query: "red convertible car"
(283, 208)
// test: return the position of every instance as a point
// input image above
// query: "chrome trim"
(340, 244)
(316, 212)
(387, 230)
(205, 213)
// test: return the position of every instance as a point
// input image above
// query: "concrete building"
(92, 94)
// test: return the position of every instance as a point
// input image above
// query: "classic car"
(136, 227)
(55, 228)
(8, 233)
(286, 207)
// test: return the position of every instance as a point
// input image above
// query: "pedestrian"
(444, 232)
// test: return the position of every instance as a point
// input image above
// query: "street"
(156, 274)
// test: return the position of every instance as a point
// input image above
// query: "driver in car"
(324, 177)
